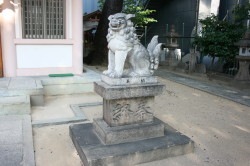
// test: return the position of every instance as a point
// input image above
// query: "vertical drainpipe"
(7, 38)
(182, 39)
(197, 23)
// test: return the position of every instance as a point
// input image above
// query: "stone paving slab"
(218, 90)
(22, 83)
(20, 86)
(16, 142)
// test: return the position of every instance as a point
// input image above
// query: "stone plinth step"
(127, 133)
(15, 105)
(66, 85)
(93, 152)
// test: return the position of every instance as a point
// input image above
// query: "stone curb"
(79, 116)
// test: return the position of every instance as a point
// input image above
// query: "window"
(43, 19)
(243, 50)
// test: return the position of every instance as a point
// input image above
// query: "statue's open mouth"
(115, 26)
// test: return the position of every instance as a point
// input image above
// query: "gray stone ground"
(215, 89)
(16, 143)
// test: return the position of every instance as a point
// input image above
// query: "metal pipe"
(44, 25)
(183, 31)
(197, 16)
(166, 29)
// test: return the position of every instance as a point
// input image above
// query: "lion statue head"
(121, 23)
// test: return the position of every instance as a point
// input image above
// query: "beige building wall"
(33, 57)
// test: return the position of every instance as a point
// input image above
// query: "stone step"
(24, 86)
(15, 105)
(66, 85)
(128, 133)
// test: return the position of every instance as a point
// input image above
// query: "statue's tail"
(154, 48)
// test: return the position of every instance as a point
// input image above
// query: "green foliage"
(241, 13)
(218, 38)
(135, 7)
(100, 4)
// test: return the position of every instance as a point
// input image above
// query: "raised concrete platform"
(66, 85)
(93, 152)
(16, 142)
(15, 105)
(37, 87)
(21, 86)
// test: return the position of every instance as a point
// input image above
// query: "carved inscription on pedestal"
(143, 110)
(129, 111)
(122, 111)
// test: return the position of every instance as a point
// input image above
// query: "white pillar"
(77, 30)
(7, 38)
(215, 4)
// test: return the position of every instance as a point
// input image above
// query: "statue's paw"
(112, 75)
(107, 72)
(115, 75)
(133, 74)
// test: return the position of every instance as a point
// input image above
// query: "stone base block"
(129, 80)
(109, 92)
(94, 153)
(127, 133)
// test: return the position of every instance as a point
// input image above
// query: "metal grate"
(43, 19)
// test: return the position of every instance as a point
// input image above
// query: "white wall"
(42, 56)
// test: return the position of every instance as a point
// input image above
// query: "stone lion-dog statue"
(125, 48)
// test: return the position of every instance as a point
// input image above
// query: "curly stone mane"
(128, 32)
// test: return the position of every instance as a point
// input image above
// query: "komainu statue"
(125, 48)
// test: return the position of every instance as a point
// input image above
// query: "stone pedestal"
(129, 133)
(243, 73)
(171, 59)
